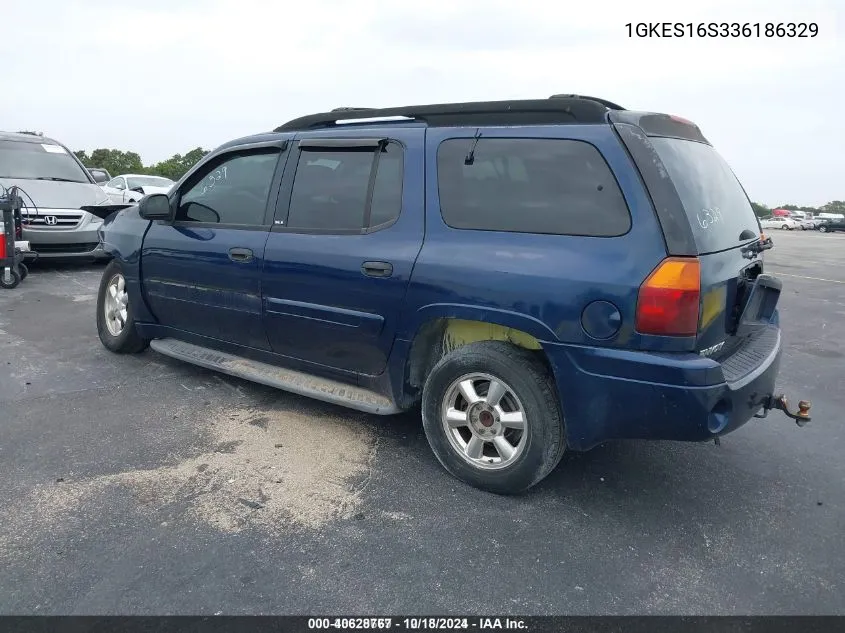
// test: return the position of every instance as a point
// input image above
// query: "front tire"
(491, 416)
(115, 316)
(823, 229)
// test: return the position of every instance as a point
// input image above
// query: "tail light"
(668, 302)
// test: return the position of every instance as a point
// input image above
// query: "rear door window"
(552, 186)
(339, 191)
(715, 203)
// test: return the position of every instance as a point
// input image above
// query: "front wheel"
(823, 229)
(115, 317)
(491, 415)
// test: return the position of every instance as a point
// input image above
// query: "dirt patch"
(272, 470)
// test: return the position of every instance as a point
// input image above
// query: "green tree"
(761, 210)
(834, 206)
(176, 166)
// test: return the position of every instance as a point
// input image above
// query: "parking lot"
(137, 484)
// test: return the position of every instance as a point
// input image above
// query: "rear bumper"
(611, 394)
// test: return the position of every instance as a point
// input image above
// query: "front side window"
(552, 186)
(331, 189)
(39, 161)
(233, 190)
(117, 183)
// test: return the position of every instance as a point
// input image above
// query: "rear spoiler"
(103, 211)
(654, 124)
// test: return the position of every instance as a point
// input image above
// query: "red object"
(780, 213)
(2, 240)
(668, 301)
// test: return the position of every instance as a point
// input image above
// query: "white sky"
(164, 76)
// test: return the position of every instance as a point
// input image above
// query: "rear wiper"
(56, 179)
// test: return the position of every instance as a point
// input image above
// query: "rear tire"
(115, 316)
(504, 447)
(823, 229)
(785, 227)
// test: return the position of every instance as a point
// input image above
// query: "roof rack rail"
(556, 110)
(604, 102)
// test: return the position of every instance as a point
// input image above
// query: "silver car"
(54, 185)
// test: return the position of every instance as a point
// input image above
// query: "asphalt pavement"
(140, 485)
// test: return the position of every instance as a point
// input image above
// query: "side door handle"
(377, 269)
(240, 255)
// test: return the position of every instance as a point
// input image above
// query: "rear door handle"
(240, 255)
(377, 269)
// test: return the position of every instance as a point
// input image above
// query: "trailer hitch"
(801, 416)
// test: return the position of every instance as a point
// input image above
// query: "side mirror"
(155, 206)
(99, 176)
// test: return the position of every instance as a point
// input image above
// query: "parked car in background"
(132, 187)
(351, 262)
(808, 224)
(788, 224)
(100, 175)
(831, 226)
(54, 186)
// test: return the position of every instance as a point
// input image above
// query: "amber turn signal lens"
(669, 299)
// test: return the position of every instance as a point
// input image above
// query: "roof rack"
(555, 110)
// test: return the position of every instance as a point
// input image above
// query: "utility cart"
(12, 268)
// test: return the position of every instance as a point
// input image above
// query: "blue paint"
(303, 301)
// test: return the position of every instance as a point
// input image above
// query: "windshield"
(47, 161)
(148, 181)
(713, 199)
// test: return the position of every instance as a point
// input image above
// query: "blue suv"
(537, 275)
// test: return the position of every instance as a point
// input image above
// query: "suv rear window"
(19, 159)
(553, 186)
(713, 199)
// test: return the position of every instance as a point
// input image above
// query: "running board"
(296, 382)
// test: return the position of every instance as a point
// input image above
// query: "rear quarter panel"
(537, 283)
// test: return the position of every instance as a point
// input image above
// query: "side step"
(281, 378)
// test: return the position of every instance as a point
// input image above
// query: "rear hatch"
(737, 299)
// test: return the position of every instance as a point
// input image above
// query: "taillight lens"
(668, 303)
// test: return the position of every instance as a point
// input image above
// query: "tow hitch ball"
(801, 417)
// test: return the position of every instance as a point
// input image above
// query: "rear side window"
(715, 204)
(346, 190)
(560, 187)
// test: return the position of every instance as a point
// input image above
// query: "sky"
(164, 76)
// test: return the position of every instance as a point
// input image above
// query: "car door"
(348, 228)
(202, 271)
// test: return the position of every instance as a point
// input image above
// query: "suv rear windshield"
(713, 199)
(47, 161)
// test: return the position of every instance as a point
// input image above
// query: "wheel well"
(438, 337)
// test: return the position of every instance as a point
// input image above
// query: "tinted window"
(330, 189)
(530, 186)
(46, 160)
(713, 199)
(387, 191)
(233, 191)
